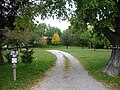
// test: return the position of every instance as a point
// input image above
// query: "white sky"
(63, 25)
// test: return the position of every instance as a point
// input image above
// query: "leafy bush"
(7, 56)
(27, 56)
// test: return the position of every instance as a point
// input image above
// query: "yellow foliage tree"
(56, 39)
(43, 41)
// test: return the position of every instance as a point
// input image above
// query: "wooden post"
(14, 71)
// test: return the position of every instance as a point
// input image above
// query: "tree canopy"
(104, 15)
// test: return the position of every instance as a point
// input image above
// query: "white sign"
(14, 60)
(14, 53)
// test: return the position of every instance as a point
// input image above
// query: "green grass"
(67, 68)
(94, 62)
(27, 74)
(67, 64)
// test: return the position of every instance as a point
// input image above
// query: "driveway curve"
(77, 78)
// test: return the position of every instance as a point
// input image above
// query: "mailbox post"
(14, 54)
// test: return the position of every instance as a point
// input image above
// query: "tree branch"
(116, 25)
(110, 35)
(117, 3)
(113, 37)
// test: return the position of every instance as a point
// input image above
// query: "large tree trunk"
(1, 56)
(113, 66)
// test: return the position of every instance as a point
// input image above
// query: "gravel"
(77, 78)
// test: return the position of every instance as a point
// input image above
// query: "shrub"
(27, 56)
(8, 56)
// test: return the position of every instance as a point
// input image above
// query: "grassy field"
(27, 75)
(94, 62)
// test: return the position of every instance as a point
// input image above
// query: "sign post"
(14, 55)
(14, 71)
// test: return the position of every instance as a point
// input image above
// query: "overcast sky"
(63, 25)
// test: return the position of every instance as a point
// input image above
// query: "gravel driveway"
(77, 78)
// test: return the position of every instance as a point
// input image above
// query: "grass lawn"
(27, 74)
(94, 62)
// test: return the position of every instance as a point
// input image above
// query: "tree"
(50, 32)
(105, 17)
(55, 39)
(95, 40)
(77, 41)
(11, 11)
(66, 38)
(37, 32)
(42, 27)
(43, 41)
(85, 38)
(7, 17)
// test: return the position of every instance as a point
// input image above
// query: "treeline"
(84, 38)
(42, 35)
